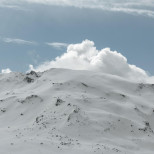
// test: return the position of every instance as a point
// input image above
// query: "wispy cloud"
(18, 41)
(10, 6)
(13, 4)
(57, 45)
(136, 7)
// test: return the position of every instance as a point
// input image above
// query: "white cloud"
(136, 7)
(85, 56)
(10, 6)
(13, 4)
(6, 71)
(57, 45)
(18, 41)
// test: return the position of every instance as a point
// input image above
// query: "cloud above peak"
(85, 56)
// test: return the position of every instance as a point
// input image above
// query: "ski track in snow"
(63, 111)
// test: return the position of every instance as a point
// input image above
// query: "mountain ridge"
(66, 111)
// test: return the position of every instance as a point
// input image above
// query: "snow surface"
(64, 111)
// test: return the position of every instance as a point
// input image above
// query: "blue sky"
(32, 32)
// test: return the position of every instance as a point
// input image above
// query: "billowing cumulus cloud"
(136, 7)
(85, 56)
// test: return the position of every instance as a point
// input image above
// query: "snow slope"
(64, 111)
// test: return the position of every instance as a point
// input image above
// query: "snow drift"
(63, 111)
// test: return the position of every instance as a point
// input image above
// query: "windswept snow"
(63, 111)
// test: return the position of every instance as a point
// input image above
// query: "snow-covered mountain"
(64, 111)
